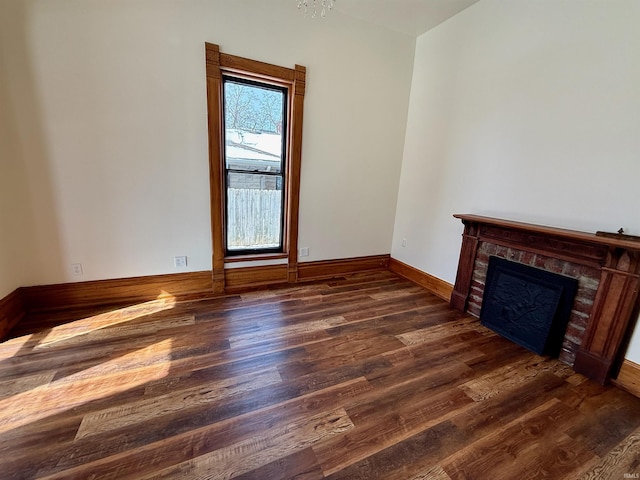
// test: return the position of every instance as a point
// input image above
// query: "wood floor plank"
(247, 455)
(170, 403)
(604, 429)
(43, 403)
(432, 473)
(90, 327)
(491, 384)
(418, 454)
(433, 334)
(300, 465)
(403, 412)
(362, 377)
(16, 385)
(280, 334)
(161, 447)
(402, 459)
(505, 454)
(623, 460)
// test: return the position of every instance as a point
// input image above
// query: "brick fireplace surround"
(607, 270)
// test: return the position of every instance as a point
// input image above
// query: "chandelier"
(312, 5)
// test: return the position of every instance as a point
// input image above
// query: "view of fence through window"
(254, 164)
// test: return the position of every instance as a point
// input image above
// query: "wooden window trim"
(217, 64)
(252, 258)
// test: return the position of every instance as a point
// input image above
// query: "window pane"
(254, 211)
(254, 143)
(253, 127)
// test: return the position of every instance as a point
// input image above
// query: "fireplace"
(527, 305)
(607, 269)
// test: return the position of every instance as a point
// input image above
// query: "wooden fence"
(254, 218)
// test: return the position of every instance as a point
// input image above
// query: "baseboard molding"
(182, 286)
(250, 277)
(629, 378)
(435, 285)
(122, 290)
(12, 309)
(323, 269)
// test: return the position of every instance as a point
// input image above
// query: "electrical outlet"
(76, 268)
(304, 252)
(180, 261)
(404, 242)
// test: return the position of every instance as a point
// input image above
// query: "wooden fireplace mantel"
(617, 259)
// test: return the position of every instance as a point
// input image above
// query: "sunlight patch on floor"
(105, 320)
(83, 387)
(9, 348)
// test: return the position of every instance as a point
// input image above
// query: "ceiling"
(412, 17)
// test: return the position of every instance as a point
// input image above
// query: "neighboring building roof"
(253, 150)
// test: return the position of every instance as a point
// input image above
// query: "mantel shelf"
(585, 237)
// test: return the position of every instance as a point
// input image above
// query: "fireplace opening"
(527, 305)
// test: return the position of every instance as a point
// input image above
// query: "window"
(255, 152)
(255, 146)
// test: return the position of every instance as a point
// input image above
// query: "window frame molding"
(294, 80)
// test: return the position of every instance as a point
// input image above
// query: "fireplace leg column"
(461, 290)
(611, 314)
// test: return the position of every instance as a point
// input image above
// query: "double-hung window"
(255, 126)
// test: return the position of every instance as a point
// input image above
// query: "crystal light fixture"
(312, 5)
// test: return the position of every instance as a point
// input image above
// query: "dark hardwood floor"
(365, 377)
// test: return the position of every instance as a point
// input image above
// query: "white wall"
(524, 110)
(16, 222)
(15, 234)
(116, 124)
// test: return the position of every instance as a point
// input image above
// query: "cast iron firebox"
(527, 305)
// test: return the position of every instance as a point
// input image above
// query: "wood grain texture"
(621, 462)
(629, 377)
(435, 285)
(367, 376)
(121, 290)
(612, 312)
(216, 155)
(12, 309)
(590, 238)
(233, 63)
(294, 166)
(245, 277)
(521, 440)
(257, 257)
(332, 268)
(464, 274)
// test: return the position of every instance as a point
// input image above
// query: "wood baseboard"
(121, 290)
(12, 309)
(435, 285)
(237, 279)
(181, 285)
(334, 268)
(629, 378)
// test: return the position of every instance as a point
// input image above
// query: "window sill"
(252, 258)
